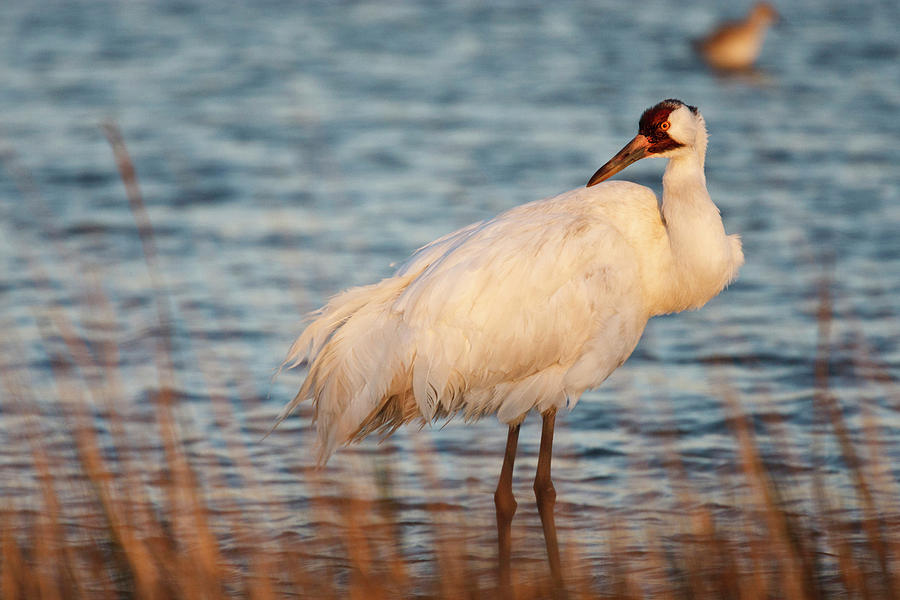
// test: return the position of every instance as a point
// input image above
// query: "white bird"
(735, 45)
(523, 311)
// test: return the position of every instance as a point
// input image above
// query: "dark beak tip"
(635, 150)
(594, 180)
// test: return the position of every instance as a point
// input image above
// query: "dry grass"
(103, 529)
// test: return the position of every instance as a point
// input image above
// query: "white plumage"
(526, 310)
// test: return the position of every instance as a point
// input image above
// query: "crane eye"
(664, 125)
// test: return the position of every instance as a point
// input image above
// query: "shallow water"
(292, 150)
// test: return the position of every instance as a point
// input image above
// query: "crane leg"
(545, 494)
(505, 503)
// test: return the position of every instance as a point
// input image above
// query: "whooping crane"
(523, 311)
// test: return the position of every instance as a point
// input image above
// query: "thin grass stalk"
(51, 547)
(76, 346)
(140, 563)
(448, 542)
(871, 522)
(698, 520)
(128, 174)
(14, 580)
(794, 582)
(119, 525)
(132, 491)
(879, 464)
(797, 566)
(190, 523)
(261, 562)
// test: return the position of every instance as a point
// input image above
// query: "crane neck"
(701, 258)
(684, 182)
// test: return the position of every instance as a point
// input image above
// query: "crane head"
(664, 130)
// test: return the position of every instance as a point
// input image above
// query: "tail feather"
(354, 347)
(324, 322)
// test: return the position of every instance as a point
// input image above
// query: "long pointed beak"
(634, 151)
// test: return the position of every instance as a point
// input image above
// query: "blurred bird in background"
(735, 45)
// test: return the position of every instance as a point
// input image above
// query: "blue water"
(291, 150)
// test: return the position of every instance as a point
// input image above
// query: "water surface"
(291, 150)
